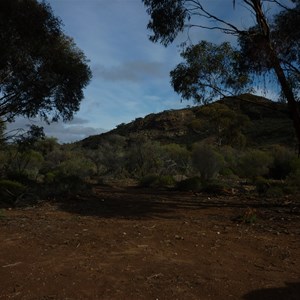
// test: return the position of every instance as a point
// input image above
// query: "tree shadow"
(289, 292)
(137, 203)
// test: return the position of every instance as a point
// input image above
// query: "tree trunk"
(287, 90)
(285, 86)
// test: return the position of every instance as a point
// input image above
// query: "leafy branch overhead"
(42, 71)
(268, 48)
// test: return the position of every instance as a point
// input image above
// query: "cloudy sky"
(130, 73)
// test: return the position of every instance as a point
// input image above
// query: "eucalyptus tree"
(42, 71)
(268, 47)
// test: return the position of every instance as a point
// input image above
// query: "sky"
(130, 73)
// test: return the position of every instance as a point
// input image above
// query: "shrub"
(230, 156)
(254, 163)
(226, 172)
(10, 191)
(190, 184)
(207, 161)
(282, 162)
(155, 181)
(275, 191)
(77, 167)
(165, 181)
(271, 188)
(293, 181)
(57, 183)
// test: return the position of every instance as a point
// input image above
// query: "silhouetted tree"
(42, 72)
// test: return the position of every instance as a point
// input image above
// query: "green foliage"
(57, 184)
(275, 192)
(109, 156)
(167, 19)
(178, 159)
(282, 162)
(197, 125)
(271, 188)
(190, 184)
(46, 145)
(207, 161)
(207, 70)
(10, 191)
(28, 163)
(254, 163)
(293, 180)
(230, 156)
(42, 71)
(27, 140)
(77, 166)
(155, 181)
(146, 158)
(227, 124)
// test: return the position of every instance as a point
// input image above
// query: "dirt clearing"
(129, 243)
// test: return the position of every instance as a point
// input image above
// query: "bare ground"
(129, 243)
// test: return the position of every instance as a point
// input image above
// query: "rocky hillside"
(259, 121)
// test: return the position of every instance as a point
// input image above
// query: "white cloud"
(71, 131)
(130, 71)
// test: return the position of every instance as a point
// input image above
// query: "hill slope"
(261, 121)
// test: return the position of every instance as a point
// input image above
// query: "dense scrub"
(47, 169)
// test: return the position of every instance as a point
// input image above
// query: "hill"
(260, 122)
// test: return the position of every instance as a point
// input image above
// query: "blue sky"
(130, 73)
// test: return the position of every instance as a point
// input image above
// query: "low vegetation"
(36, 165)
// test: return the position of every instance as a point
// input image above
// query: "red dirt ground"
(129, 243)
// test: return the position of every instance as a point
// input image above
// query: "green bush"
(226, 172)
(293, 180)
(10, 191)
(207, 161)
(254, 163)
(155, 181)
(77, 167)
(70, 184)
(283, 159)
(49, 177)
(271, 188)
(275, 191)
(190, 184)
(166, 181)
(20, 177)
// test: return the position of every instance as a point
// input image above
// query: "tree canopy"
(42, 71)
(269, 47)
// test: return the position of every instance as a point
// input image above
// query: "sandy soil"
(129, 243)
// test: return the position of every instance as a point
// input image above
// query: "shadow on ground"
(137, 203)
(290, 292)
